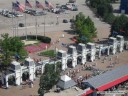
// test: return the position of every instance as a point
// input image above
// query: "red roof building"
(107, 80)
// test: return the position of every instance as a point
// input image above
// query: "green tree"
(85, 28)
(17, 45)
(104, 9)
(79, 21)
(5, 45)
(90, 25)
(109, 18)
(58, 66)
(119, 23)
(49, 68)
(41, 92)
(49, 78)
(10, 46)
(126, 29)
(96, 3)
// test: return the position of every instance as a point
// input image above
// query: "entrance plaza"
(71, 58)
(88, 53)
(75, 64)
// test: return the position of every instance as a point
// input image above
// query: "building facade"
(124, 6)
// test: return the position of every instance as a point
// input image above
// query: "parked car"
(65, 21)
(57, 12)
(62, 10)
(63, 7)
(21, 25)
(66, 12)
(38, 13)
(19, 15)
(72, 1)
(43, 13)
(71, 20)
(75, 9)
(10, 16)
(29, 11)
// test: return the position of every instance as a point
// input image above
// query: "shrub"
(43, 39)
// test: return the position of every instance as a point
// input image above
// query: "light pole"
(36, 26)
(36, 21)
(13, 25)
(57, 20)
(55, 59)
(25, 24)
(44, 25)
(17, 25)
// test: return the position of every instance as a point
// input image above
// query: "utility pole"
(25, 24)
(57, 20)
(44, 25)
(36, 21)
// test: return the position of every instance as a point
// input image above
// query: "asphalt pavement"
(50, 21)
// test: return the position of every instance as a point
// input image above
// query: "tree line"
(104, 10)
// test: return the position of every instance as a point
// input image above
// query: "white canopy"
(65, 78)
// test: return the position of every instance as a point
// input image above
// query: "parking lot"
(50, 20)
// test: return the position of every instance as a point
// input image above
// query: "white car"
(66, 12)
(19, 15)
(10, 16)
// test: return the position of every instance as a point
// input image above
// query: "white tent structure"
(65, 82)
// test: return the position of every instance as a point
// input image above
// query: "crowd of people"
(28, 83)
(92, 69)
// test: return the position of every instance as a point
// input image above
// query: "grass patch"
(48, 53)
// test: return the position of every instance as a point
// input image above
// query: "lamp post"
(55, 59)
(44, 25)
(57, 20)
(17, 25)
(36, 21)
(36, 26)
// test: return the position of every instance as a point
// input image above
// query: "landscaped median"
(35, 43)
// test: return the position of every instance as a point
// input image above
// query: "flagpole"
(25, 23)
(14, 25)
(36, 20)
(17, 26)
(13, 21)
(44, 25)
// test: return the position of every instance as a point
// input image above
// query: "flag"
(21, 6)
(39, 5)
(16, 7)
(28, 4)
(48, 4)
